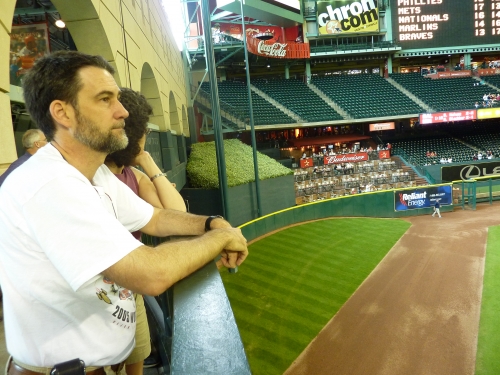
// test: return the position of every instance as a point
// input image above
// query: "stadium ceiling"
(29, 12)
(257, 10)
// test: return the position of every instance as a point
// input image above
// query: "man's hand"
(235, 250)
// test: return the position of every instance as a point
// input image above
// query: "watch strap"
(209, 220)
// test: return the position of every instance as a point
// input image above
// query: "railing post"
(491, 190)
(206, 340)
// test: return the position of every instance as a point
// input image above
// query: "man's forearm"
(168, 222)
(151, 271)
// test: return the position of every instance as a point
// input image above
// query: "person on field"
(437, 207)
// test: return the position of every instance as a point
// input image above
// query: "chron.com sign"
(344, 17)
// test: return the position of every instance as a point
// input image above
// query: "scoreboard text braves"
(441, 23)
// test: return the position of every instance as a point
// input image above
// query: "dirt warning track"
(418, 312)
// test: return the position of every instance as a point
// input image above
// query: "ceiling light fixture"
(60, 24)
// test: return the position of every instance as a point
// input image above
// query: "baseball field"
(373, 296)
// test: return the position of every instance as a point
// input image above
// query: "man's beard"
(88, 133)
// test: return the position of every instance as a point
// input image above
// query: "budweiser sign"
(346, 158)
(272, 50)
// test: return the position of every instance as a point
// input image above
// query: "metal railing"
(333, 45)
(234, 115)
(412, 162)
(188, 339)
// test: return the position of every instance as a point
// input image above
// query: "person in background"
(33, 139)
(151, 185)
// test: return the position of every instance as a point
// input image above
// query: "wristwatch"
(209, 220)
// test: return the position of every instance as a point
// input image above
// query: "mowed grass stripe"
(268, 274)
(487, 362)
(296, 280)
(282, 307)
(307, 292)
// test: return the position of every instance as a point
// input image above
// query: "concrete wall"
(146, 59)
(7, 144)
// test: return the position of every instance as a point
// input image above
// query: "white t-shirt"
(58, 233)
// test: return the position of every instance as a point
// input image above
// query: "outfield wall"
(377, 204)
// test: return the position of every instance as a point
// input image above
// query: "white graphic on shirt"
(121, 299)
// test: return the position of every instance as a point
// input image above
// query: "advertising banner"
(411, 199)
(306, 163)
(466, 172)
(384, 154)
(452, 74)
(488, 72)
(340, 17)
(27, 44)
(382, 126)
(484, 113)
(273, 49)
(434, 118)
(345, 158)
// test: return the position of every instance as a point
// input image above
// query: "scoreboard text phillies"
(445, 23)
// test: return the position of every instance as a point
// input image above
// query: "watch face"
(333, 27)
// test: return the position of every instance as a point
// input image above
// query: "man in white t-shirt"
(68, 264)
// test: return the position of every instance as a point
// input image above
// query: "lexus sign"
(467, 172)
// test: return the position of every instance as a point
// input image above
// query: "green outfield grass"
(296, 280)
(488, 357)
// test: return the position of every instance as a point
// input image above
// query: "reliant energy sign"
(405, 200)
(347, 17)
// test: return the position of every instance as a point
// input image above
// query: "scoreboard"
(445, 23)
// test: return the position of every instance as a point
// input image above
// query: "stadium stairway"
(446, 94)
(494, 81)
(410, 95)
(479, 79)
(205, 101)
(264, 96)
(330, 102)
(406, 168)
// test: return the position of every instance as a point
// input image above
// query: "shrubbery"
(202, 165)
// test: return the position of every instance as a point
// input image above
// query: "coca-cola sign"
(345, 158)
(272, 50)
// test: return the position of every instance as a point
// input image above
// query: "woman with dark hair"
(151, 185)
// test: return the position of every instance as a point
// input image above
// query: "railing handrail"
(206, 340)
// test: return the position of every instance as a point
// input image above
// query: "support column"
(216, 117)
(467, 59)
(287, 71)
(308, 71)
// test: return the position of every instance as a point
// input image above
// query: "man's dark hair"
(55, 77)
(136, 125)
